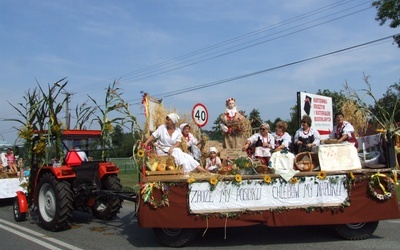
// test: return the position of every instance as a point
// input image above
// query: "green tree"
(216, 132)
(255, 118)
(387, 102)
(337, 98)
(388, 10)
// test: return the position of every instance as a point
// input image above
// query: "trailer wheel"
(18, 216)
(356, 231)
(54, 201)
(107, 206)
(174, 237)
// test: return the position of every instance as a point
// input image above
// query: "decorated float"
(334, 188)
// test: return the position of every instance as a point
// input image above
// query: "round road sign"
(200, 115)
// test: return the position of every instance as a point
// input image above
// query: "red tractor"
(83, 181)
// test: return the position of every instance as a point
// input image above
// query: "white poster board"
(319, 108)
(9, 187)
(254, 195)
(334, 157)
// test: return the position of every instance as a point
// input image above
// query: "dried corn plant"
(353, 114)
(384, 118)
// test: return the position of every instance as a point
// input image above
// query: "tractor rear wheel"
(54, 200)
(107, 206)
(175, 237)
(356, 231)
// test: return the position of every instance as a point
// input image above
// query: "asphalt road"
(86, 232)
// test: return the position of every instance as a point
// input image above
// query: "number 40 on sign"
(200, 115)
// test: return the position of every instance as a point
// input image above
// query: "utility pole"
(67, 114)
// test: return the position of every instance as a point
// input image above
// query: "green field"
(128, 173)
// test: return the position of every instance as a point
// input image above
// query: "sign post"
(200, 115)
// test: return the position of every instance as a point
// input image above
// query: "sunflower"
(213, 181)
(351, 176)
(267, 179)
(248, 164)
(192, 179)
(293, 180)
(321, 175)
(238, 178)
(140, 153)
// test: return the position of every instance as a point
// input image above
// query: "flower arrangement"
(147, 194)
(382, 182)
(244, 165)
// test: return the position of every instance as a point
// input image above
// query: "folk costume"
(346, 128)
(233, 127)
(284, 139)
(312, 136)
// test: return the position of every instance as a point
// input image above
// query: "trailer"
(353, 201)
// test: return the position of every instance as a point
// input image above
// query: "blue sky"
(161, 46)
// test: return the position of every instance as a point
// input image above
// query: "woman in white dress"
(282, 138)
(306, 138)
(191, 141)
(168, 143)
(343, 130)
(264, 140)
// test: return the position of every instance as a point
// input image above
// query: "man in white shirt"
(81, 154)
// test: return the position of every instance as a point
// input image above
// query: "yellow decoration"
(267, 179)
(321, 175)
(161, 167)
(152, 167)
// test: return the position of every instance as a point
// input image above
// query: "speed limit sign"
(200, 115)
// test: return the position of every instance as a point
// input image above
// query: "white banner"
(9, 187)
(319, 108)
(255, 195)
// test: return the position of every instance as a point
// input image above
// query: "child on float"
(213, 162)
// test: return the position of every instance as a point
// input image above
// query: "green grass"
(127, 172)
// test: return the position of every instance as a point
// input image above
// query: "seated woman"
(306, 137)
(191, 141)
(168, 143)
(282, 138)
(264, 141)
(343, 130)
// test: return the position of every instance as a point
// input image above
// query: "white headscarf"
(213, 149)
(174, 118)
(183, 125)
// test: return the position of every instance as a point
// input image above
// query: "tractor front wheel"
(18, 215)
(54, 200)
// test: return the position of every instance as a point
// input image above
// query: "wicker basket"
(306, 161)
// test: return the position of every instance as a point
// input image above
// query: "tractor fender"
(23, 204)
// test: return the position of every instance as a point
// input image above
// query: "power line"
(177, 63)
(206, 85)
